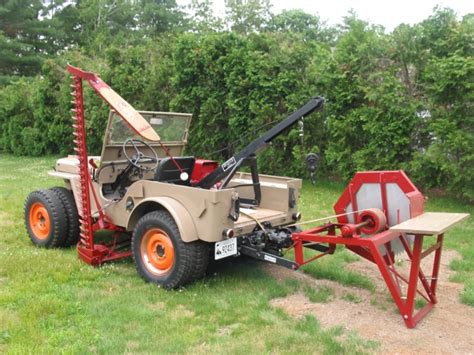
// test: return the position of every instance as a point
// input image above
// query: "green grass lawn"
(50, 301)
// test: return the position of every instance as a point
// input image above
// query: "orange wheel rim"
(40, 222)
(157, 251)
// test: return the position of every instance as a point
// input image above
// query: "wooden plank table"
(430, 223)
(426, 224)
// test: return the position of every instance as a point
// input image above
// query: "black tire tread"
(192, 261)
(201, 259)
(57, 217)
(69, 204)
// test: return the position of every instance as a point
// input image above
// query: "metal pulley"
(312, 161)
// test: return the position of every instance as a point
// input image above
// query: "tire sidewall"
(156, 220)
(33, 198)
(70, 209)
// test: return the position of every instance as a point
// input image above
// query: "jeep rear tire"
(70, 210)
(161, 256)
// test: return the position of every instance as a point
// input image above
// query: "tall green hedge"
(403, 100)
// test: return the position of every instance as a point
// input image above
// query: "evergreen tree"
(25, 37)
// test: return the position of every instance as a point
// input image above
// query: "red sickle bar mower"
(172, 212)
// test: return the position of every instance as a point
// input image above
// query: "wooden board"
(135, 120)
(125, 110)
(430, 223)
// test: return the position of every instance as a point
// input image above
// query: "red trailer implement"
(380, 215)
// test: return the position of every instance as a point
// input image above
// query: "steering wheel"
(139, 157)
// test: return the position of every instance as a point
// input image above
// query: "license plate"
(225, 248)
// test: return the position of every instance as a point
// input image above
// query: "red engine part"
(373, 221)
(202, 168)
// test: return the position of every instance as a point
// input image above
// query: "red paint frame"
(383, 178)
(369, 247)
(88, 250)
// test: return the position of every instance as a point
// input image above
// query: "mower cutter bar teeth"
(81, 149)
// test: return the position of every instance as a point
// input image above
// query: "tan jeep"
(166, 209)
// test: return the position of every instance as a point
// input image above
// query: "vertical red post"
(413, 281)
(436, 263)
(81, 150)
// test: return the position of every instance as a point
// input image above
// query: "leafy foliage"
(398, 100)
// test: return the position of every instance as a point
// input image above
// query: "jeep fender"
(180, 214)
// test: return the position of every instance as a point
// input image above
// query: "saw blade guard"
(392, 192)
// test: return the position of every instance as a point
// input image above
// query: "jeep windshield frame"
(172, 128)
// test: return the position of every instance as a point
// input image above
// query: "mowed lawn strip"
(51, 301)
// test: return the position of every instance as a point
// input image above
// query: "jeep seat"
(167, 171)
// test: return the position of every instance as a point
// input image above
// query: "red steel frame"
(377, 249)
(369, 248)
(383, 178)
(91, 252)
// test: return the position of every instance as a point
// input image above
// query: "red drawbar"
(202, 168)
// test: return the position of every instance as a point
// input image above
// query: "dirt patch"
(132, 346)
(227, 330)
(281, 274)
(448, 328)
